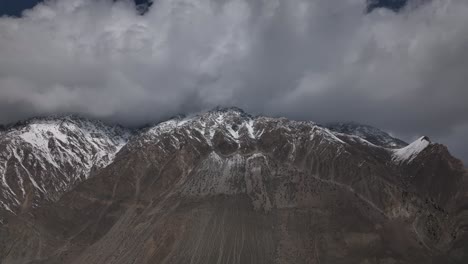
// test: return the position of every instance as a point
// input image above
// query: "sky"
(16, 7)
(321, 60)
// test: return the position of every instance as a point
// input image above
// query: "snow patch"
(234, 134)
(410, 152)
(250, 128)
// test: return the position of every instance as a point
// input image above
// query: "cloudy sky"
(321, 60)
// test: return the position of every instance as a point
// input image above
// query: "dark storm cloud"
(305, 59)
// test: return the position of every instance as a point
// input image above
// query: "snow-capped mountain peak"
(235, 124)
(44, 157)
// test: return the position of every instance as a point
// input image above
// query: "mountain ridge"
(227, 186)
(215, 116)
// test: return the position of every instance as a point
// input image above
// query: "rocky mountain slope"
(227, 187)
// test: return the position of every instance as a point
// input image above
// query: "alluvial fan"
(227, 187)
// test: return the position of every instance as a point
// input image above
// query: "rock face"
(226, 187)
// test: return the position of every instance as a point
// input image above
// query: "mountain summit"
(227, 187)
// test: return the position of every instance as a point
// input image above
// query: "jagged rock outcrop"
(226, 187)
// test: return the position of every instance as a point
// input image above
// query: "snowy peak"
(68, 134)
(410, 152)
(235, 125)
(42, 158)
(229, 110)
(230, 122)
(369, 133)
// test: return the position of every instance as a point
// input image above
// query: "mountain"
(371, 134)
(227, 187)
(42, 158)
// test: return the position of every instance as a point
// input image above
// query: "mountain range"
(224, 186)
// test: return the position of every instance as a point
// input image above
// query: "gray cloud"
(305, 59)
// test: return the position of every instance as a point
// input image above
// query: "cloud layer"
(304, 59)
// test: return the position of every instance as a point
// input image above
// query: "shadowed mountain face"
(226, 187)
